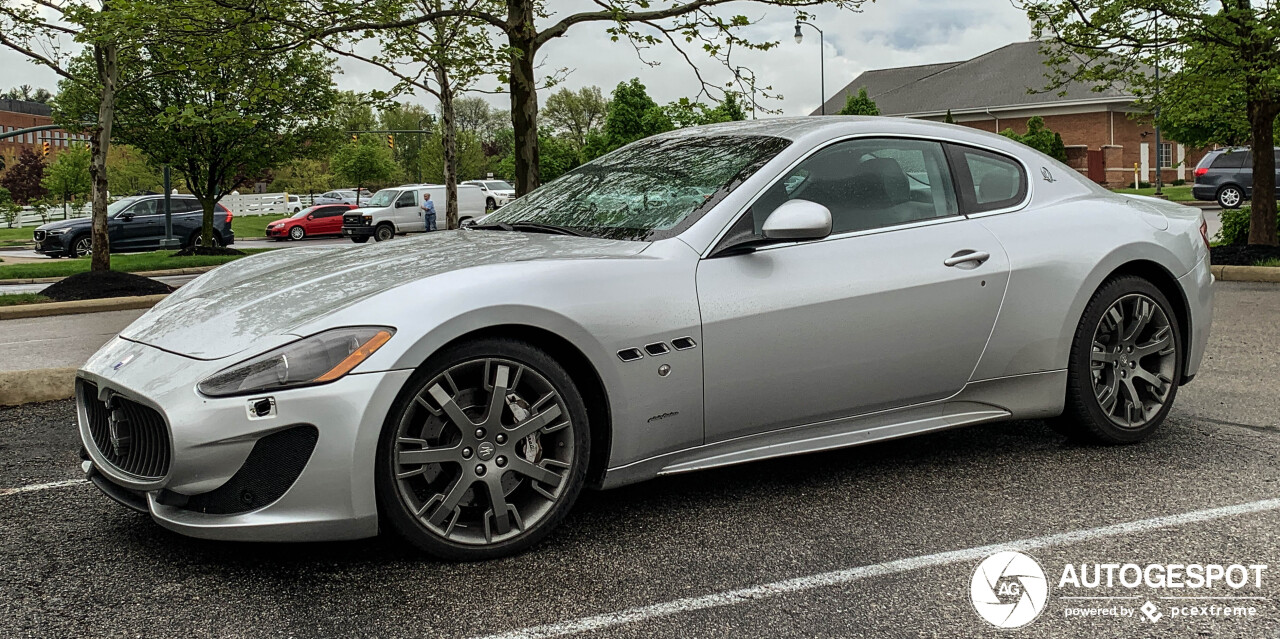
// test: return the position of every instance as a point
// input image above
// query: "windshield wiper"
(530, 226)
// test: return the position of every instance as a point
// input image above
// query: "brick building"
(17, 114)
(1105, 132)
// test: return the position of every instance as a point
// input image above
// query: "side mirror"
(311, 216)
(798, 220)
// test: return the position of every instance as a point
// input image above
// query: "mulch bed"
(99, 284)
(200, 250)
(1242, 254)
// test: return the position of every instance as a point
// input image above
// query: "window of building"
(1164, 157)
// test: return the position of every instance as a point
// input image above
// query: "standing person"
(429, 211)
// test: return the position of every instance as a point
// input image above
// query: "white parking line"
(35, 487)
(799, 584)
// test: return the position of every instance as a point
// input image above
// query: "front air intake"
(131, 437)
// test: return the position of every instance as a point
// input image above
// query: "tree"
(403, 116)
(1121, 43)
(1203, 104)
(948, 119)
(860, 104)
(632, 115)
(130, 172)
(9, 210)
(68, 176)
(685, 112)
(216, 109)
(364, 164)
(575, 115)
(28, 94)
(474, 115)
(25, 178)
(1040, 138)
(680, 24)
(303, 175)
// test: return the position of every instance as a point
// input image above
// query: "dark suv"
(135, 224)
(1227, 176)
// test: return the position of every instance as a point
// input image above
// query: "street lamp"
(737, 73)
(822, 73)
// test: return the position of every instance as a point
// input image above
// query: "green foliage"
(303, 176)
(1040, 138)
(557, 156)
(860, 104)
(68, 176)
(575, 115)
(24, 180)
(129, 172)
(1235, 225)
(685, 112)
(949, 119)
(366, 164)
(9, 210)
(27, 93)
(632, 115)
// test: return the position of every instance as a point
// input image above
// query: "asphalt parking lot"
(871, 541)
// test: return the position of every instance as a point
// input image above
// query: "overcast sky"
(890, 33)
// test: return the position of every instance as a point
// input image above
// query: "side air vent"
(684, 343)
(656, 349)
(630, 354)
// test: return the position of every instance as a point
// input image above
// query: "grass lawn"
(14, 299)
(127, 262)
(1271, 262)
(1175, 193)
(15, 237)
(253, 225)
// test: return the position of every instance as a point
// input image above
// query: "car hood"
(230, 308)
(63, 224)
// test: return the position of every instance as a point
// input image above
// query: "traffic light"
(45, 148)
(391, 141)
(355, 138)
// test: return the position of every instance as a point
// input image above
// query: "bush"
(1235, 225)
(1178, 183)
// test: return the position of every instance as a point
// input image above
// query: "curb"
(25, 311)
(42, 385)
(194, 270)
(1246, 273)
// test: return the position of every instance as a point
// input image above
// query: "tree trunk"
(449, 135)
(1262, 223)
(109, 73)
(524, 94)
(206, 233)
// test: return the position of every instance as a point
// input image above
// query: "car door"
(139, 226)
(329, 220)
(408, 215)
(885, 312)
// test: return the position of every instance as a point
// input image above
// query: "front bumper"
(52, 245)
(357, 231)
(230, 474)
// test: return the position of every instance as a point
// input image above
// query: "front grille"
(38, 236)
(353, 220)
(131, 437)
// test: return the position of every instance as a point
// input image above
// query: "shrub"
(1235, 225)
(1178, 183)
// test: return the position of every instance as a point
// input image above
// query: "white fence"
(250, 204)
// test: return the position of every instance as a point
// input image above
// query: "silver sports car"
(711, 296)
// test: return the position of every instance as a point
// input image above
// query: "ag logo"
(1009, 589)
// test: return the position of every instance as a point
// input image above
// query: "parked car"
(135, 224)
(462, 387)
(313, 221)
(497, 193)
(1226, 175)
(343, 196)
(397, 211)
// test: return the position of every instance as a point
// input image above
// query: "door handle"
(973, 259)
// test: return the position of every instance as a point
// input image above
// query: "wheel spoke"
(427, 456)
(451, 408)
(1143, 311)
(498, 397)
(501, 512)
(1107, 395)
(535, 472)
(535, 423)
(448, 503)
(1157, 381)
(1098, 359)
(1161, 343)
(1132, 401)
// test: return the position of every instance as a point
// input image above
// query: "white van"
(398, 210)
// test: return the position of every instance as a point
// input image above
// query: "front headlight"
(319, 359)
(57, 232)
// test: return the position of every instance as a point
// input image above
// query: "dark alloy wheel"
(297, 233)
(1230, 197)
(1126, 361)
(490, 205)
(197, 240)
(384, 233)
(82, 246)
(485, 451)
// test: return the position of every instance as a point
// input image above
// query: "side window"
(989, 181)
(1229, 160)
(868, 183)
(408, 198)
(330, 211)
(147, 207)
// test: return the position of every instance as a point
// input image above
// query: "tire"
(297, 233)
(1230, 197)
(196, 240)
(81, 246)
(490, 205)
(455, 490)
(384, 232)
(359, 239)
(1108, 369)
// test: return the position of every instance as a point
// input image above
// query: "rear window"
(1230, 160)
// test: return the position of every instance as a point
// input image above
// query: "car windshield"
(649, 190)
(120, 205)
(499, 185)
(382, 198)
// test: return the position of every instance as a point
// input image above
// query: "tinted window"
(406, 199)
(990, 181)
(868, 183)
(330, 211)
(1229, 160)
(147, 207)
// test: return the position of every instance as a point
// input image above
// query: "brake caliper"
(521, 410)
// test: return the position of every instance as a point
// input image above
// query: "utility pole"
(1159, 173)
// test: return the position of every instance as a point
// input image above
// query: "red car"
(324, 219)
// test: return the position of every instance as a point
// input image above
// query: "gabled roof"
(1011, 76)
